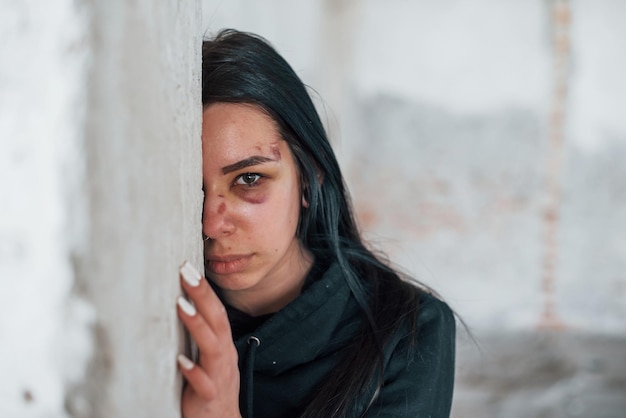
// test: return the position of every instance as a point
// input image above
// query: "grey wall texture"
(101, 202)
(144, 192)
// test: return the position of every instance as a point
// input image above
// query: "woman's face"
(252, 205)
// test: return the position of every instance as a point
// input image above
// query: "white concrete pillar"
(100, 201)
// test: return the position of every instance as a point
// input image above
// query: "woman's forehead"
(237, 125)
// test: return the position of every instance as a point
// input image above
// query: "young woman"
(298, 317)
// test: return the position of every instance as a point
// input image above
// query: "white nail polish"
(190, 274)
(184, 362)
(187, 307)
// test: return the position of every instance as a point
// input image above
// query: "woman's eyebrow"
(254, 160)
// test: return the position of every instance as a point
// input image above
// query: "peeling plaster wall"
(100, 202)
(498, 142)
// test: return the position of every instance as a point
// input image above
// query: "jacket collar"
(317, 322)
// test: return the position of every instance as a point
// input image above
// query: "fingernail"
(187, 307)
(190, 274)
(184, 362)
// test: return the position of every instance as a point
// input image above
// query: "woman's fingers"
(202, 334)
(213, 383)
(217, 355)
(206, 395)
(197, 378)
(207, 323)
(205, 300)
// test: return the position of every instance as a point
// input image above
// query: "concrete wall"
(100, 178)
(484, 144)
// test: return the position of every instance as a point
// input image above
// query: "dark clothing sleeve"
(419, 378)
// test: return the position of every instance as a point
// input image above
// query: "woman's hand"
(213, 383)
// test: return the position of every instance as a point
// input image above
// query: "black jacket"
(288, 356)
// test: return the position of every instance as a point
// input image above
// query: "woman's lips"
(228, 265)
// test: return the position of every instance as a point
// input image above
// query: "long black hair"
(240, 67)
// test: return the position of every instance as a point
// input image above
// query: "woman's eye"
(247, 179)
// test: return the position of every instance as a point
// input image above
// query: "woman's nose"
(215, 217)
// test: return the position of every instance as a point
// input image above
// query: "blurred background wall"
(100, 202)
(485, 145)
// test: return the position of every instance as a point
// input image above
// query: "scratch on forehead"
(275, 149)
